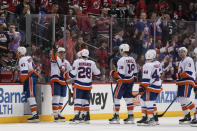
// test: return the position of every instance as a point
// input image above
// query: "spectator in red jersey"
(70, 46)
(83, 21)
(103, 23)
(107, 3)
(102, 58)
(179, 13)
(141, 7)
(161, 7)
(12, 5)
(94, 7)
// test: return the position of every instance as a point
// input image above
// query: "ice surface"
(166, 124)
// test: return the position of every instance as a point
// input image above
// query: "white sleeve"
(188, 66)
(95, 70)
(68, 67)
(74, 70)
(121, 67)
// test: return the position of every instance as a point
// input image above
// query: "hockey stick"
(69, 90)
(167, 108)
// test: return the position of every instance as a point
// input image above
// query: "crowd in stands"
(100, 26)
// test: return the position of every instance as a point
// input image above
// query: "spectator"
(70, 47)
(15, 38)
(3, 6)
(114, 10)
(103, 23)
(4, 39)
(80, 44)
(24, 7)
(94, 7)
(191, 12)
(179, 13)
(118, 38)
(3, 20)
(12, 5)
(141, 8)
(10, 60)
(161, 7)
(102, 58)
(143, 25)
(168, 68)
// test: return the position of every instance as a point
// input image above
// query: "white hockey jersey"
(187, 72)
(26, 66)
(151, 76)
(57, 70)
(83, 70)
(126, 70)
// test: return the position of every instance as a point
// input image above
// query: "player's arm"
(119, 74)
(72, 73)
(96, 72)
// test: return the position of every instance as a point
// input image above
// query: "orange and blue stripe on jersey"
(150, 88)
(122, 78)
(82, 85)
(186, 79)
(25, 75)
(97, 76)
(58, 79)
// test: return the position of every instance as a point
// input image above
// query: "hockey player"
(126, 71)
(194, 121)
(185, 82)
(150, 87)
(83, 71)
(59, 66)
(29, 77)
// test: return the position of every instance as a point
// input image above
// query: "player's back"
(26, 67)
(127, 66)
(187, 65)
(83, 70)
(153, 71)
(26, 64)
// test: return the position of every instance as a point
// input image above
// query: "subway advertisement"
(14, 103)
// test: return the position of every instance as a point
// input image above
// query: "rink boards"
(14, 106)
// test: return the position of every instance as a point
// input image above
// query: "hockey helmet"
(21, 50)
(124, 47)
(60, 49)
(195, 51)
(150, 54)
(183, 48)
(85, 53)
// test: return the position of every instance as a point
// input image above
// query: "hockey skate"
(185, 120)
(194, 122)
(156, 119)
(140, 122)
(114, 120)
(86, 118)
(129, 120)
(61, 118)
(75, 120)
(150, 122)
(34, 119)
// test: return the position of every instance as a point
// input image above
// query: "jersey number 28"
(84, 72)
